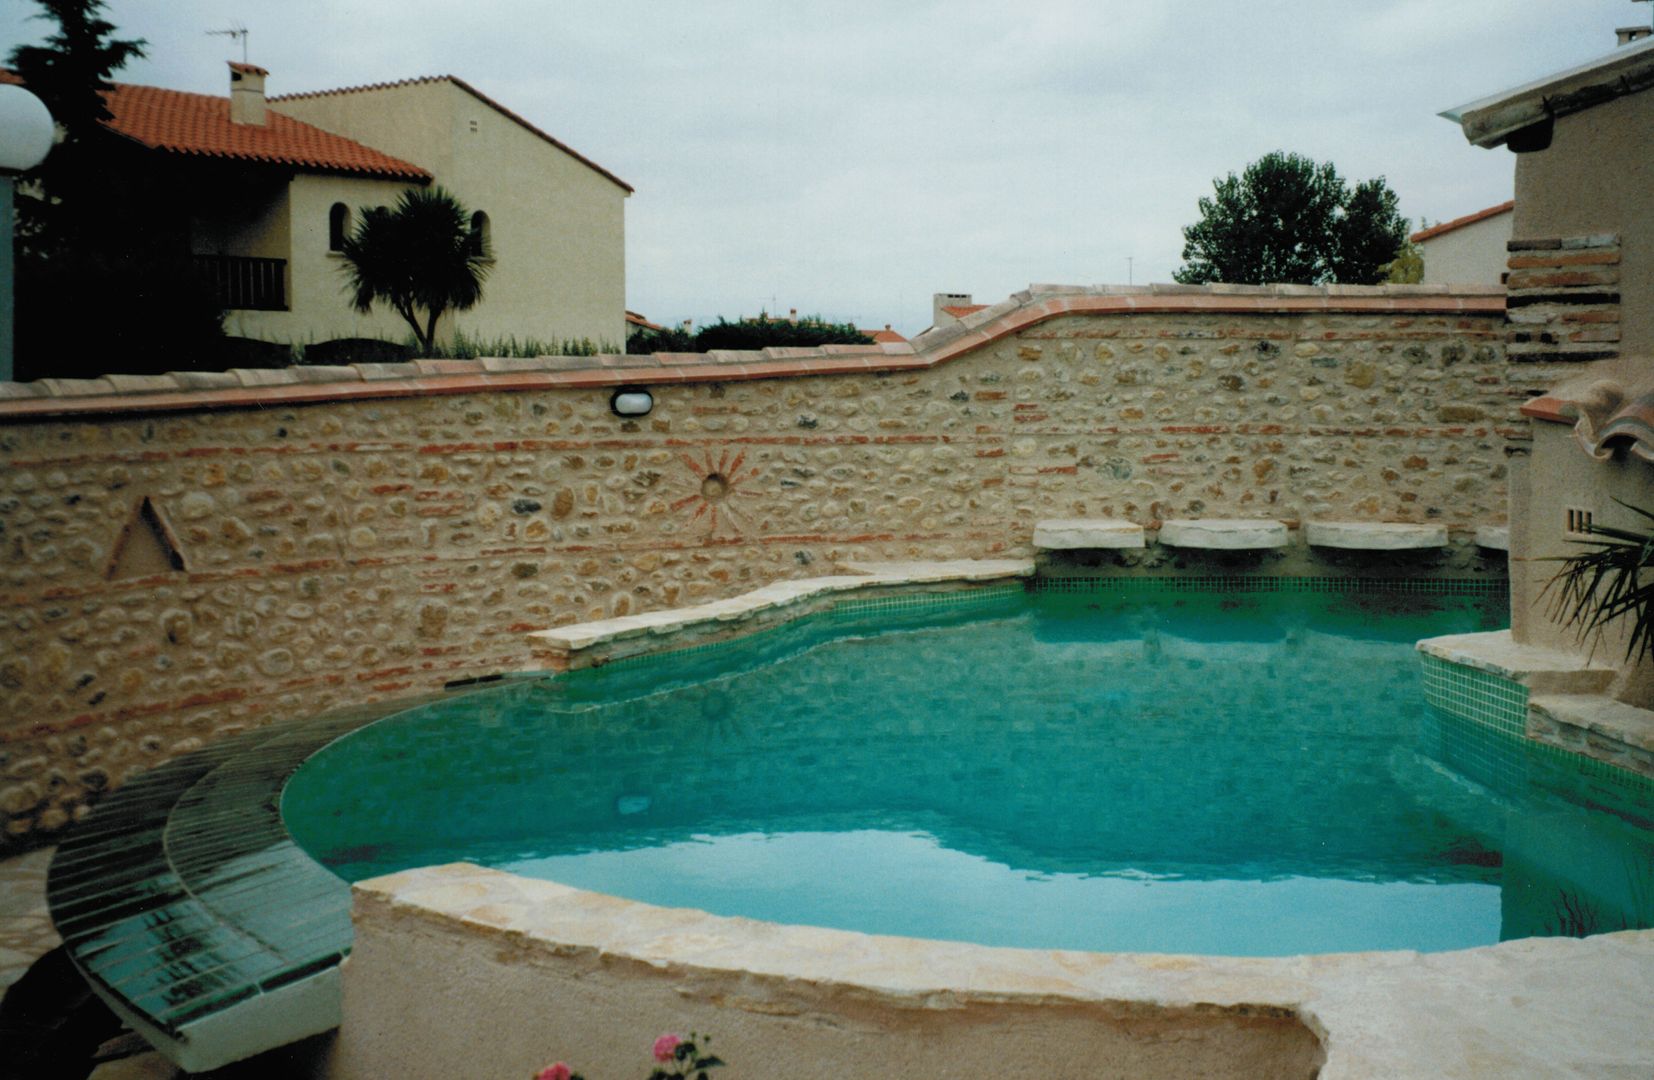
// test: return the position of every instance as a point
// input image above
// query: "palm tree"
(418, 258)
(1610, 583)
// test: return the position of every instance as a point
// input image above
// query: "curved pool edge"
(548, 971)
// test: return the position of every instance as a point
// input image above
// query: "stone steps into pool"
(565, 648)
(1550, 696)
(1241, 534)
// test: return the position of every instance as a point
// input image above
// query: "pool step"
(1374, 536)
(1243, 534)
(1069, 534)
(1224, 534)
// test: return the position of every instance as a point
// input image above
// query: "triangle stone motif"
(146, 546)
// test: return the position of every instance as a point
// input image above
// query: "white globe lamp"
(26, 133)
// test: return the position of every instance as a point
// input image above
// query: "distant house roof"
(634, 319)
(199, 125)
(480, 96)
(1460, 222)
(962, 310)
(886, 336)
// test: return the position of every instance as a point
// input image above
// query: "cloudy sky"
(851, 157)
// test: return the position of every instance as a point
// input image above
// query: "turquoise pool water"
(1238, 774)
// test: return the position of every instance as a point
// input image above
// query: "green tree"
(756, 333)
(1289, 220)
(418, 258)
(98, 224)
(62, 198)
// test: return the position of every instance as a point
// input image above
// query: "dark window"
(481, 240)
(338, 225)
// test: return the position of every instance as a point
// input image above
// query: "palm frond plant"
(1613, 582)
(418, 258)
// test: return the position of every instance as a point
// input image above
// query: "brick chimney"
(247, 94)
(941, 300)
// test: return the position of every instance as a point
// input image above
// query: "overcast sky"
(851, 157)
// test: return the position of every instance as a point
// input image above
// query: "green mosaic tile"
(1476, 695)
(1499, 706)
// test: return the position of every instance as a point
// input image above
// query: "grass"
(468, 347)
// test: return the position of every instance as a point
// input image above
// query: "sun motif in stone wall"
(720, 484)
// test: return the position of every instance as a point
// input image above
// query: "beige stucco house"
(1468, 250)
(274, 183)
(1580, 282)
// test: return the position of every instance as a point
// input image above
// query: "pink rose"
(665, 1046)
(555, 1071)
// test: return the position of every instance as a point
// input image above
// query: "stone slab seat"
(1374, 536)
(1493, 537)
(1224, 534)
(191, 912)
(1070, 534)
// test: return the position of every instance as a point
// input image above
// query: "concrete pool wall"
(460, 970)
(196, 554)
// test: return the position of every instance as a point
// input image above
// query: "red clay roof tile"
(200, 125)
(1460, 222)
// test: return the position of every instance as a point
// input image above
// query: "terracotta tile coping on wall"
(255, 388)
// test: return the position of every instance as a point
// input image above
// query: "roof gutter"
(1521, 117)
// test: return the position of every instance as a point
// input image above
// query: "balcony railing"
(245, 283)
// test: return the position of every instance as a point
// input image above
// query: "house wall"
(250, 217)
(1597, 177)
(1559, 476)
(348, 542)
(558, 226)
(319, 306)
(1473, 254)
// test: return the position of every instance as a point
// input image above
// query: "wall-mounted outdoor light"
(632, 401)
(26, 132)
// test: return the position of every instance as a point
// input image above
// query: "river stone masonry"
(195, 554)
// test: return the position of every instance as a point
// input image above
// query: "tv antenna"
(236, 30)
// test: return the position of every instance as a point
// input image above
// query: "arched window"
(338, 226)
(481, 240)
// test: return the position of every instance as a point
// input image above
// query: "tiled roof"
(634, 319)
(1605, 415)
(1460, 222)
(480, 96)
(886, 336)
(199, 125)
(962, 310)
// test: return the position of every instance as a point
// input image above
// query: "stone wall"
(191, 555)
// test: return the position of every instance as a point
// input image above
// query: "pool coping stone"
(1535, 1007)
(578, 645)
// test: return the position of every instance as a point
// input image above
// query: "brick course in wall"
(1564, 301)
(381, 529)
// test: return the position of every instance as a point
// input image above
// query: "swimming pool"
(1130, 769)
